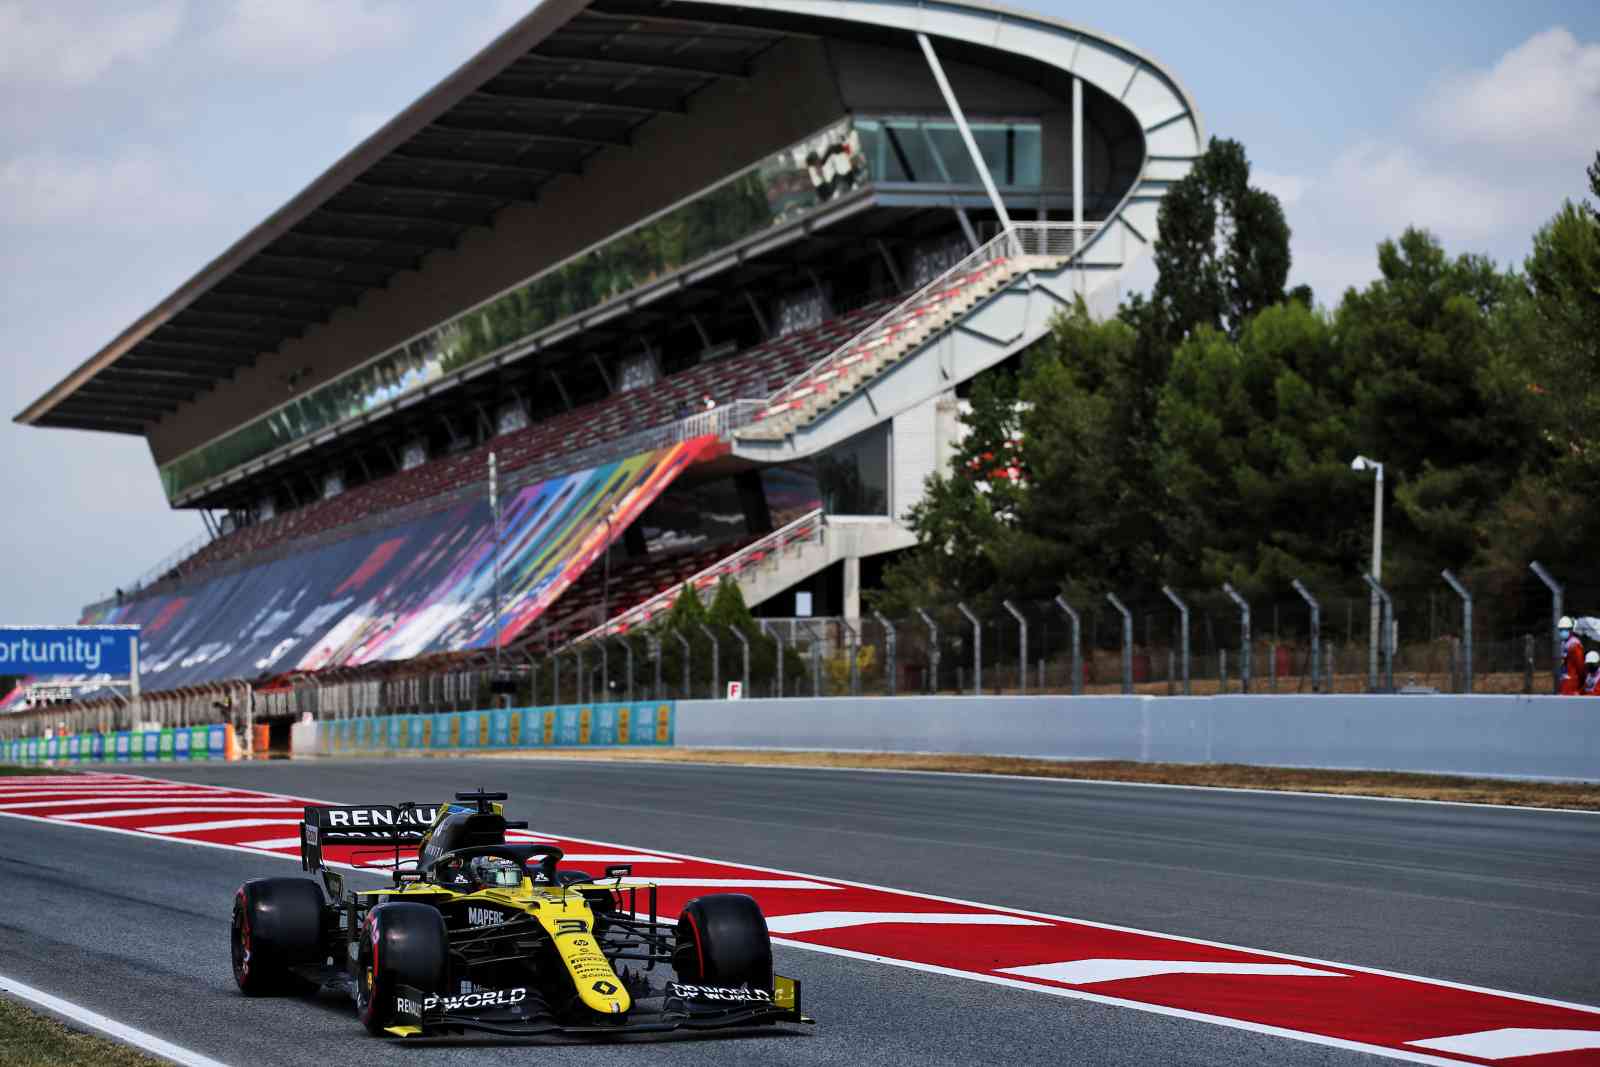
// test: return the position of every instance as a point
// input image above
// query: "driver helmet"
(496, 871)
(1592, 660)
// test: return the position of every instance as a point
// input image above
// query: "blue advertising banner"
(53, 650)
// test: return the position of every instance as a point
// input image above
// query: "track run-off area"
(932, 918)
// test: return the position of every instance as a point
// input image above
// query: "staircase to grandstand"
(911, 324)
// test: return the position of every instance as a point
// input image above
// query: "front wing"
(680, 1008)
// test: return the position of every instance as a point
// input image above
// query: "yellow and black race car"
(484, 935)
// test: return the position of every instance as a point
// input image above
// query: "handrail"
(733, 563)
(1023, 238)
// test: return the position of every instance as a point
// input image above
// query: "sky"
(142, 137)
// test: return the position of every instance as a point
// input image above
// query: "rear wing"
(364, 824)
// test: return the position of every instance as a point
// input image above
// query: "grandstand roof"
(572, 78)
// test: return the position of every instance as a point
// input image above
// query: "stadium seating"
(901, 332)
(752, 373)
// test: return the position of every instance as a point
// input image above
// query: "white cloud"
(1543, 96)
(1481, 161)
(291, 34)
(62, 45)
(1288, 188)
(1396, 185)
(134, 190)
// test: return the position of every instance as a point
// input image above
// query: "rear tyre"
(277, 925)
(403, 943)
(722, 940)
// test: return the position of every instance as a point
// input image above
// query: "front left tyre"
(402, 943)
(277, 926)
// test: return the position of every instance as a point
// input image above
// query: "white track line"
(1088, 972)
(199, 809)
(1513, 1041)
(808, 921)
(95, 1021)
(87, 802)
(218, 824)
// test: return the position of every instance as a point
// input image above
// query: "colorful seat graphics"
(422, 586)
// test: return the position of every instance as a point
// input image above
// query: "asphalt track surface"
(1508, 899)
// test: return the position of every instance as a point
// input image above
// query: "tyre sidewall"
(722, 940)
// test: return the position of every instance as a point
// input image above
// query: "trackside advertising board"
(566, 726)
(183, 744)
(68, 650)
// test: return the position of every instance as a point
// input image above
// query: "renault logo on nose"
(604, 988)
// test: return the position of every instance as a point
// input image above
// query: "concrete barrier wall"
(1528, 736)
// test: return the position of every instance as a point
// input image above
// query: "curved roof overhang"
(572, 78)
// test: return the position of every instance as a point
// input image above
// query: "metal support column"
(1316, 629)
(966, 133)
(888, 651)
(1077, 646)
(1022, 652)
(1388, 628)
(688, 655)
(933, 651)
(1557, 593)
(1127, 642)
(1466, 626)
(1244, 635)
(777, 641)
(716, 659)
(977, 649)
(1183, 636)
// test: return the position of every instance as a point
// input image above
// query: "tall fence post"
(1316, 627)
(688, 654)
(1466, 627)
(1183, 635)
(888, 651)
(1387, 644)
(716, 659)
(577, 653)
(1244, 635)
(778, 642)
(977, 649)
(655, 654)
(555, 678)
(1022, 651)
(1127, 642)
(744, 646)
(853, 650)
(1557, 592)
(605, 669)
(627, 649)
(1077, 646)
(933, 651)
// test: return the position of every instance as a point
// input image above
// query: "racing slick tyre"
(277, 924)
(402, 943)
(722, 940)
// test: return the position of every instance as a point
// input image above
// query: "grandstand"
(704, 276)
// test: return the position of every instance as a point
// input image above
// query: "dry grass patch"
(1580, 795)
(29, 1039)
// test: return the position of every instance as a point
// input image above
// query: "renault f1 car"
(485, 935)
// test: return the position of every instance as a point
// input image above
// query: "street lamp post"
(1362, 463)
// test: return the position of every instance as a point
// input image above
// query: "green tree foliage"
(1223, 255)
(1551, 513)
(1205, 435)
(1250, 431)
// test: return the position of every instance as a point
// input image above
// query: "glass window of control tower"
(853, 476)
